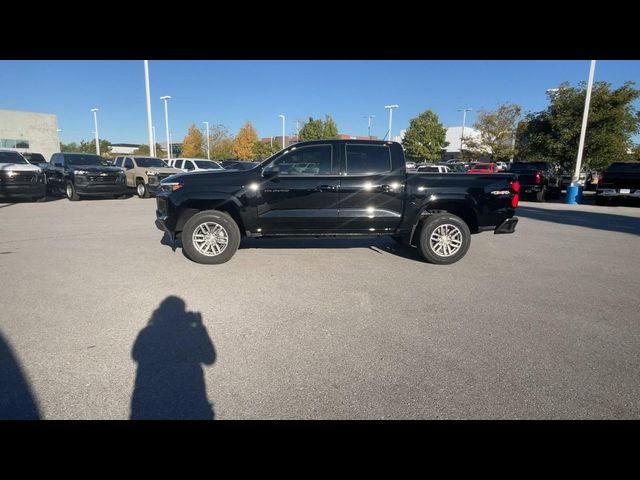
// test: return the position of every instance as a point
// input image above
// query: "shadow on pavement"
(600, 221)
(16, 399)
(170, 351)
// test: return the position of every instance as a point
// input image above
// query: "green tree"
(425, 137)
(263, 150)
(553, 134)
(70, 147)
(87, 147)
(142, 150)
(329, 128)
(312, 130)
(223, 149)
(497, 131)
(194, 143)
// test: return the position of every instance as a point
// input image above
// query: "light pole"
(573, 190)
(166, 121)
(369, 124)
(95, 121)
(390, 108)
(282, 117)
(152, 146)
(207, 125)
(464, 121)
(153, 127)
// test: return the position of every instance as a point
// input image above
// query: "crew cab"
(193, 164)
(144, 173)
(619, 180)
(354, 187)
(19, 178)
(540, 179)
(80, 174)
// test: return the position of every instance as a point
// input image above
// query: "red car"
(483, 168)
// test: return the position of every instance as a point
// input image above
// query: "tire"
(70, 192)
(141, 189)
(541, 196)
(214, 221)
(444, 226)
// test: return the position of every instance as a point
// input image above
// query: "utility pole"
(390, 108)
(464, 121)
(369, 124)
(152, 146)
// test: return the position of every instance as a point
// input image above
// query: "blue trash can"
(574, 194)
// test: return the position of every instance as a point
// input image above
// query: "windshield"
(150, 162)
(208, 165)
(624, 167)
(11, 157)
(77, 160)
(527, 166)
(35, 158)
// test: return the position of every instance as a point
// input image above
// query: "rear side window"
(368, 159)
(178, 164)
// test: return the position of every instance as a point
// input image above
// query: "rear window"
(624, 167)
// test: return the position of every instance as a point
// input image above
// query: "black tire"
(461, 232)
(541, 196)
(225, 221)
(141, 189)
(70, 192)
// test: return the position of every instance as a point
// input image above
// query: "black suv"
(78, 174)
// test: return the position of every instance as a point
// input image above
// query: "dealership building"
(29, 132)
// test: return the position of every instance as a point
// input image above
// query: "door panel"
(303, 197)
(371, 193)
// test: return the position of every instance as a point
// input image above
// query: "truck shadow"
(170, 352)
(599, 221)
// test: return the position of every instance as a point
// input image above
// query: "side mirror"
(270, 172)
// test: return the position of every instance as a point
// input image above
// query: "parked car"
(433, 169)
(144, 173)
(237, 165)
(411, 166)
(19, 178)
(35, 158)
(80, 174)
(483, 168)
(357, 188)
(566, 179)
(194, 164)
(502, 166)
(619, 180)
(538, 178)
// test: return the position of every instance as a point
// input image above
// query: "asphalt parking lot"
(541, 324)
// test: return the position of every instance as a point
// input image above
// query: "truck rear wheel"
(444, 239)
(210, 237)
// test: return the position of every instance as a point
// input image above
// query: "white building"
(454, 137)
(123, 148)
(29, 132)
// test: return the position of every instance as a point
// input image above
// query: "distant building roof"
(130, 145)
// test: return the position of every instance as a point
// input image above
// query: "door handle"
(326, 188)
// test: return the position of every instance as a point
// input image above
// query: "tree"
(425, 137)
(263, 150)
(87, 147)
(318, 130)
(142, 150)
(497, 131)
(194, 143)
(223, 150)
(553, 134)
(244, 142)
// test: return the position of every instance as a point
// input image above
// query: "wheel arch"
(195, 206)
(462, 208)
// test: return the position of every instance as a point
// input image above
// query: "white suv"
(194, 164)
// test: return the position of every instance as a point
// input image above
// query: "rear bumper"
(612, 192)
(508, 226)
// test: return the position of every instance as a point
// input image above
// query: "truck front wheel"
(444, 239)
(210, 237)
(70, 191)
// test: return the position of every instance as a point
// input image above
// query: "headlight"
(169, 186)
(151, 172)
(80, 172)
(11, 173)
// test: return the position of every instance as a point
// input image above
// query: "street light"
(207, 124)
(152, 146)
(95, 121)
(573, 190)
(369, 124)
(390, 107)
(166, 121)
(282, 117)
(153, 128)
(464, 120)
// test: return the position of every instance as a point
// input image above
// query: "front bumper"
(30, 190)
(507, 226)
(99, 190)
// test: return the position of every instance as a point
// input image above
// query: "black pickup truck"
(539, 179)
(334, 188)
(619, 180)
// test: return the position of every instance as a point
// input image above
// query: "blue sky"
(232, 92)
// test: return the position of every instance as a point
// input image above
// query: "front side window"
(306, 161)
(128, 164)
(207, 165)
(368, 159)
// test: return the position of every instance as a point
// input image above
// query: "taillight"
(599, 180)
(515, 185)
(538, 177)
